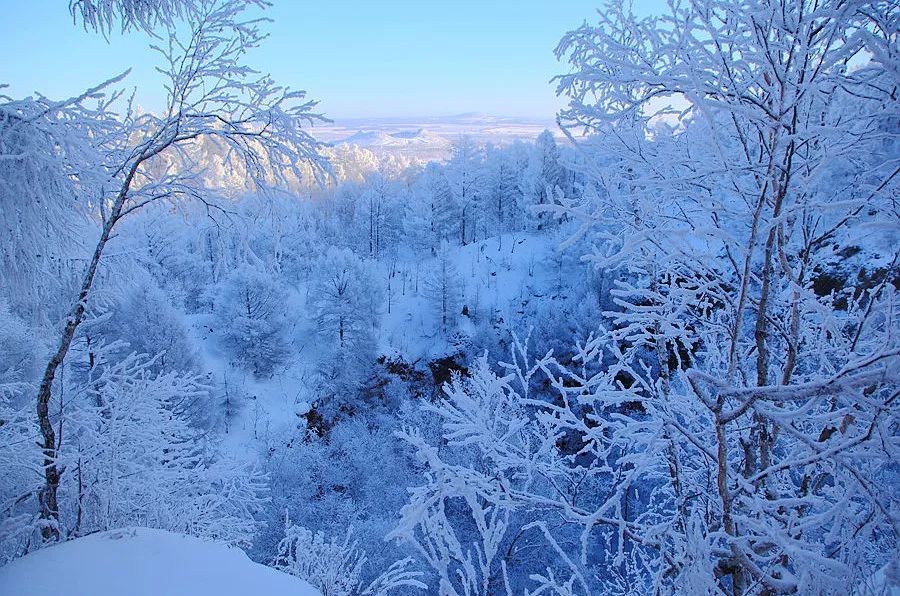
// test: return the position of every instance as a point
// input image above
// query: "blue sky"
(358, 58)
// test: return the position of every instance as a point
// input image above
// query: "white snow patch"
(141, 561)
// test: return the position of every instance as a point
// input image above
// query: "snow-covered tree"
(19, 362)
(346, 300)
(211, 94)
(335, 567)
(106, 15)
(544, 178)
(443, 288)
(748, 375)
(381, 214)
(142, 319)
(250, 312)
(45, 194)
(429, 218)
(137, 462)
(131, 454)
(728, 427)
(465, 177)
(497, 487)
(505, 203)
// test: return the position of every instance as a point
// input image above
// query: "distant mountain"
(366, 138)
(476, 118)
(399, 140)
(410, 134)
(430, 138)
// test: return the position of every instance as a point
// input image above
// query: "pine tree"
(443, 288)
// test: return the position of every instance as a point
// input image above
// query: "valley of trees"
(653, 354)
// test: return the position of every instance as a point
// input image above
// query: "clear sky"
(358, 58)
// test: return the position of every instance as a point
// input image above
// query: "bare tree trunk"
(49, 506)
(761, 330)
(736, 571)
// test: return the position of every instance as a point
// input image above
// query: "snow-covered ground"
(140, 561)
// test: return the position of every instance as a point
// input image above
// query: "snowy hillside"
(144, 562)
(493, 282)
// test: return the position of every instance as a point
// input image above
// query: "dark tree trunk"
(49, 505)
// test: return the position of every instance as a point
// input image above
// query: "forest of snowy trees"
(654, 353)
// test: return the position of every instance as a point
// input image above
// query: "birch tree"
(726, 208)
(211, 95)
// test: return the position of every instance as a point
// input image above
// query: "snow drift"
(141, 561)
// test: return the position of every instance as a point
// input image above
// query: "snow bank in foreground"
(140, 561)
